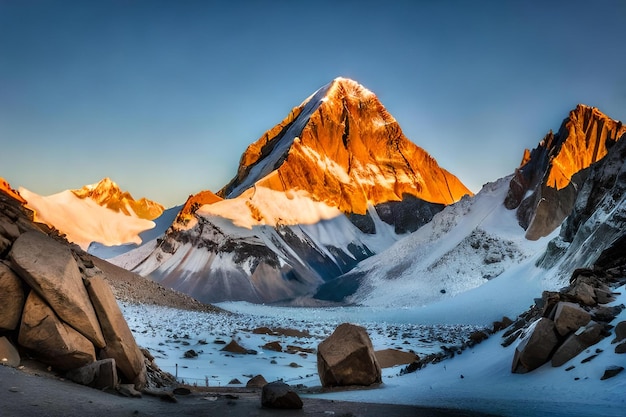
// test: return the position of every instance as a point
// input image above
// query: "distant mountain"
(6, 188)
(564, 208)
(546, 184)
(335, 182)
(108, 194)
(96, 213)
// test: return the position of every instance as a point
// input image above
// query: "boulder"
(535, 349)
(621, 348)
(578, 342)
(257, 381)
(620, 331)
(280, 395)
(584, 293)
(53, 341)
(5, 244)
(275, 346)
(347, 357)
(570, 317)
(234, 347)
(101, 374)
(120, 343)
(8, 229)
(9, 356)
(11, 298)
(50, 269)
(611, 371)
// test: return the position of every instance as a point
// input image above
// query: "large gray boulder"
(120, 343)
(570, 317)
(280, 395)
(51, 340)
(347, 357)
(50, 269)
(11, 298)
(577, 342)
(535, 349)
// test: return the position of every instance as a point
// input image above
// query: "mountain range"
(335, 204)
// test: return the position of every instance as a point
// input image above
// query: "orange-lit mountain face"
(108, 194)
(344, 148)
(546, 184)
(6, 188)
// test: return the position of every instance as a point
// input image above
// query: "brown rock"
(603, 296)
(120, 343)
(535, 349)
(570, 317)
(54, 342)
(280, 395)
(620, 331)
(502, 324)
(101, 374)
(11, 298)
(585, 293)
(257, 381)
(9, 356)
(611, 371)
(50, 269)
(347, 357)
(275, 346)
(9, 230)
(577, 342)
(388, 358)
(5, 244)
(234, 347)
(621, 348)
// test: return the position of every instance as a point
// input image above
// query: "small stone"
(256, 382)
(611, 371)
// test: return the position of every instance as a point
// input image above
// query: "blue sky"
(164, 96)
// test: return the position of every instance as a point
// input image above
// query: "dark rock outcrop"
(280, 395)
(535, 349)
(347, 357)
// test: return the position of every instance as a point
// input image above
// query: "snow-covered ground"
(478, 379)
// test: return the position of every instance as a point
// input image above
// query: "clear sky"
(164, 96)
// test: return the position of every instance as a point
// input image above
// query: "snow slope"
(85, 221)
(463, 247)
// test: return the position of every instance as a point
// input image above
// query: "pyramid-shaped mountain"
(344, 148)
(333, 183)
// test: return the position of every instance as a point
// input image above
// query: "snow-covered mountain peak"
(108, 194)
(343, 148)
(545, 186)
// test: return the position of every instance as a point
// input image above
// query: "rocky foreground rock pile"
(563, 324)
(58, 309)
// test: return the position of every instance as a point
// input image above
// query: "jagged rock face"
(594, 231)
(344, 148)
(6, 188)
(545, 186)
(193, 203)
(108, 194)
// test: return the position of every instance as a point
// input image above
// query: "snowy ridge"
(464, 246)
(97, 223)
(269, 163)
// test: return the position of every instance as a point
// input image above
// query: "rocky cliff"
(544, 187)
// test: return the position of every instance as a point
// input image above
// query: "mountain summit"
(344, 148)
(335, 182)
(108, 194)
(546, 184)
